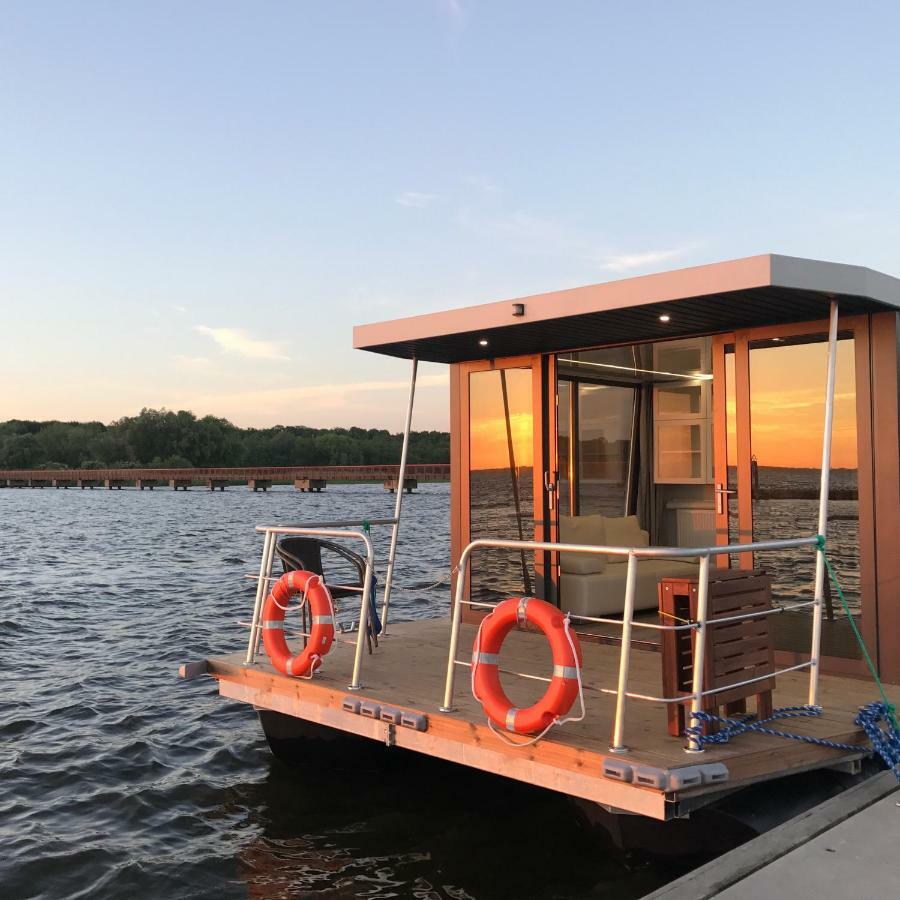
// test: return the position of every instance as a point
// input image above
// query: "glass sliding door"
(603, 448)
(595, 447)
(769, 425)
(787, 411)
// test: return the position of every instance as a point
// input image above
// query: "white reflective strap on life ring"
(290, 580)
(565, 672)
(289, 665)
(511, 718)
(273, 624)
(486, 659)
(323, 620)
(521, 610)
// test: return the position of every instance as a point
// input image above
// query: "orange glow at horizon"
(488, 439)
(787, 400)
(787, 406)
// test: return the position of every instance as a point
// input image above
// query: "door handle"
(721, 493)
(550, 488)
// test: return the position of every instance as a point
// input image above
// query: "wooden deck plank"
(408, 670)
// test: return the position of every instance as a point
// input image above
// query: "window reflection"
(605, 421)
(787, 411)
(501, 493)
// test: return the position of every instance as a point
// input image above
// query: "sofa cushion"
(582, 530)
(625, 531)
(603, 594)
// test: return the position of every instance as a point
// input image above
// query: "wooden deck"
(408, 669)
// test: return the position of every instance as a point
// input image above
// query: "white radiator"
(695, 524)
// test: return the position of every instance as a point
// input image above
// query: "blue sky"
(199, 199)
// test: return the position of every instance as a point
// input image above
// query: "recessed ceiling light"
(665, 318)
(483, 342)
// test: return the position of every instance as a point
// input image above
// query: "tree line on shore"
(163, 438)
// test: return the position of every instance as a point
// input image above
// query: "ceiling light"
(665, 318)
(483, 342)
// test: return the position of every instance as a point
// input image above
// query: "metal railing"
(627, 622)
(337, 529)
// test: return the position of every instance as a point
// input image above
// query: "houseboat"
(653, 481)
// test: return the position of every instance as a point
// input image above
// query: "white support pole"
(395, 530)
(824, 481)
(700, 642)
(262, 589)
(456, 619)
(618, 737)
(355, 683)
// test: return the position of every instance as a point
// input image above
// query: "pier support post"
(393, 483)
(310, 484)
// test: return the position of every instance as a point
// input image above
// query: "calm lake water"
(121, 780)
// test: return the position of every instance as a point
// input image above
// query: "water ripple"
(120, 780)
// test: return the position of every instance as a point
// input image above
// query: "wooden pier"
(306, 479)
(310, 484)
(410, 483)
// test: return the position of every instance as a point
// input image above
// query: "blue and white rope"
(744, 724)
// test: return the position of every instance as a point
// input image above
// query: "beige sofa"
(594, 584)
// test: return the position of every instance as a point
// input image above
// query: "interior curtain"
(646, 499)
(649, 501)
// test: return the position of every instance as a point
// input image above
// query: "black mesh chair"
(305, 553)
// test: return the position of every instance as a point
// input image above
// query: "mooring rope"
(878, 720)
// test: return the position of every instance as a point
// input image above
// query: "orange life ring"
(564, 685)
(321, 635)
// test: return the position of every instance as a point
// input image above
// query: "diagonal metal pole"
(526, 577)
(815, 649)
(395, 530)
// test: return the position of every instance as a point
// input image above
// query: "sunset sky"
(787, 406)
(198, 200)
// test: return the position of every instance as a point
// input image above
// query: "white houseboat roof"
(743, 293)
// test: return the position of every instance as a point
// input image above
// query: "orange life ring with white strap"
(567, 659)
(321, 635)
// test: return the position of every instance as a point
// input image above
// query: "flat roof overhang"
(742, 293)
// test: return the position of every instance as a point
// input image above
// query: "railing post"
(461, 572)
(824, 479)
(261, 590)
(355, 684)
(618, 736)
(700, 642)
(398, 503)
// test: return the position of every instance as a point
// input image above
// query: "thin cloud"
(192, 363)
(626, 262)
(237, 342)
(415, 199)
(482, 183)
(522, 230)
(178, 308)
(303, 402)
